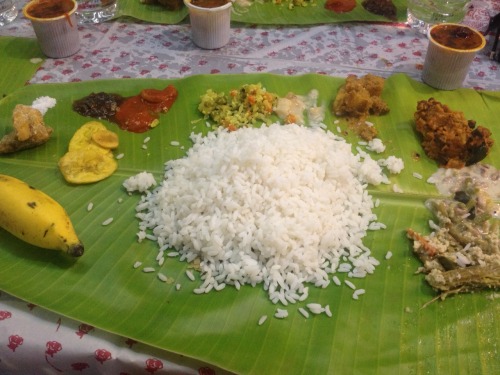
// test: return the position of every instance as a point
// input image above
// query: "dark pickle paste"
(135, 114)
(456, 36)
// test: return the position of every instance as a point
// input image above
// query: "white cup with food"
(210, 22)
(55, 26)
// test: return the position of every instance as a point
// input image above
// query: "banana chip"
(106, 139)
(83, 137)
(89, 158)
(87, 166)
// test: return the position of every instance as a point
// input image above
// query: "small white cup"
(210, 27)
(446, 67)
(57, 36)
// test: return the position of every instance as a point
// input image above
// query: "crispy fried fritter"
(29, 130)
(359, 98)
(448, 137)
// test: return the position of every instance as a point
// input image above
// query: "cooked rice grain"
(277, 205)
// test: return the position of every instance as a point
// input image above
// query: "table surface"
(125, 48)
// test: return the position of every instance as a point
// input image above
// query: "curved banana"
(34, 217)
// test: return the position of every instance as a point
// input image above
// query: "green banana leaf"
(386, 331)
(264, 12)
(16, 64)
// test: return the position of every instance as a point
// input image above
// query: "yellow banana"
(34, 217)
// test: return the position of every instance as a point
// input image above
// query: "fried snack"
(87, 166)
(168, 4)
(448, 137)
(357, 99)
(29, 130)
(89, 158)
(83, 138)
(385, 8)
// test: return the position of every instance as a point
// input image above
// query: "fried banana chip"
(86, 166)
(89, 158)
(83, 137)
(105, 139)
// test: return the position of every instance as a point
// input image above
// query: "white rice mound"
(278, 205)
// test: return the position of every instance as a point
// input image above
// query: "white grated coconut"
(278, 205)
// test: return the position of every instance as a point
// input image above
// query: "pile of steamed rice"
(284, 206)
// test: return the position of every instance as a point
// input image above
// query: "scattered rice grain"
(262, 319)
(107, 221)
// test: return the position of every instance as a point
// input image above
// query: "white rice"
(137, 264)
(417, 175)
(376, 145)
(350, 284)
(277, 206)
(190, 275)
(281, 313)
(394, 164)
(304, 312)
(262, 319)
(148, 269)
(90, 206)
(141, 182)
(357, 293)
(120, 156)
(388, 255)
(108, 221)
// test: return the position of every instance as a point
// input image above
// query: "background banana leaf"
(16, 64)
(264, 12)
(386, 331)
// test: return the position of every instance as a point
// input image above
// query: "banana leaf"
(265, 12)
(385, 331)
(17, 65)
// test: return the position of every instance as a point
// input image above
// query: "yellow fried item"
(89, 158)
(106, 139)
(87, 166)
(82, 139)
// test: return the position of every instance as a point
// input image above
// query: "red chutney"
(340, 6)
(140, 113)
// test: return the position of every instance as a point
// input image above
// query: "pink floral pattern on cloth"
(33, 340)
(129, 49)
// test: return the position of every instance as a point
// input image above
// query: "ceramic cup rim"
(456, 50)
(62, 16)
(203, 9)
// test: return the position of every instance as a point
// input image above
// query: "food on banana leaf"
(137, 114)
(462, 254)
(168, 4)
(340, 6)
(384, 8)
(242, 107)
(357, 99)
(89, 157)
(29, 130)
(448, 137)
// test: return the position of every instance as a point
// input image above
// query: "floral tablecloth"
(36, 341)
